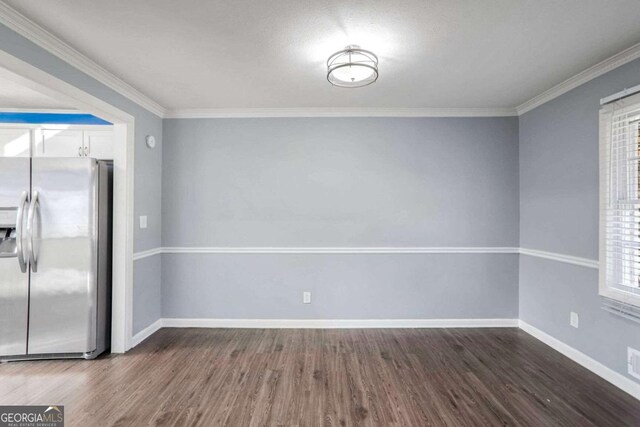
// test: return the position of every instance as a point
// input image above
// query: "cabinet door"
(59, 143)
(15, 142)
(99, 144)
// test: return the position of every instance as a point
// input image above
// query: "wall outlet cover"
(306, 297)
(143, 221)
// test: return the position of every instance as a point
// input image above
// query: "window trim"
(605, 122)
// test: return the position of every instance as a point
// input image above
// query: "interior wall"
(559, 213)
(148, 163)
(340, 182)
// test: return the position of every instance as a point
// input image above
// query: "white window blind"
(620, 200)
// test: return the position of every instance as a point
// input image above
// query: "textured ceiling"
(271, 54)
(15, 96)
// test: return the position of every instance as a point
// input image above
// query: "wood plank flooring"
(369, 377)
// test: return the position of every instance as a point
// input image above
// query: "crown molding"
(38, 35)
(41, 37)
(581, 78)
(210, 113)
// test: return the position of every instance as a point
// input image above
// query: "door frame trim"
(25, 74)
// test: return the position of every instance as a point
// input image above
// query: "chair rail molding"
(146, 254)
(568, 259)
(338, 250)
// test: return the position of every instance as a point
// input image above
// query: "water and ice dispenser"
(8, 233)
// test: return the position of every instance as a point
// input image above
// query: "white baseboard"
(339, 323)
(319, 324)
(618, 380)
(146, 332)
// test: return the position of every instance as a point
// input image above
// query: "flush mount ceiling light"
(352, 67)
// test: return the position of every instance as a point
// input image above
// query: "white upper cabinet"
(15, 142)
(72, 142)
(68, 141)
(98, 144)
(59, 143)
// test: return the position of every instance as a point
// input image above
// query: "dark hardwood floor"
(381, 377)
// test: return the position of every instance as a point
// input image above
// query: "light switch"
(143, 221)
(574, 319)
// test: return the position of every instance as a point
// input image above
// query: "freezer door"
(14, 283)
(62, 232)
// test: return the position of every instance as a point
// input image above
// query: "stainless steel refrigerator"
(55, 257)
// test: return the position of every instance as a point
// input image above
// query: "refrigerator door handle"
(33, 257)
(22, 258)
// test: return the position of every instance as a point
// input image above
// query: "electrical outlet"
(143, 221)
(306, 297)
(574, 320)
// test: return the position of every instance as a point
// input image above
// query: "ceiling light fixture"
(352, 67)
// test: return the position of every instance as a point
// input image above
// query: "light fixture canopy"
(352, 67)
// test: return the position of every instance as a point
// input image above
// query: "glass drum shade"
(352, 67)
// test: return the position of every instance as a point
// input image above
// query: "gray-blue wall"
(559, 213)
(372, 182)
(357, 182)
(148, 165)
(343, 286)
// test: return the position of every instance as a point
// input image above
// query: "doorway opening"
(18, 73)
